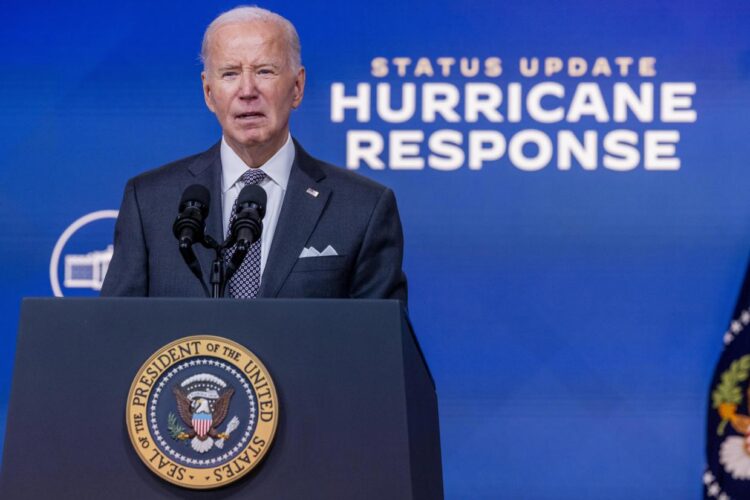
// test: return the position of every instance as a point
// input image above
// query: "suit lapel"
(300, 212)
(206, 170)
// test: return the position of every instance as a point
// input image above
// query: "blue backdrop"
(571, 317)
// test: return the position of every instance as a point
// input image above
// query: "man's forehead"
(243, 30)
(247, 36)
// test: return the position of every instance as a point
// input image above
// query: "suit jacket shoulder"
(184, 168)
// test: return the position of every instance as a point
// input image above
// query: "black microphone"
(189, 227)
(248, 222)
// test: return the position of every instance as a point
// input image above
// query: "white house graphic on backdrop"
(87, 270)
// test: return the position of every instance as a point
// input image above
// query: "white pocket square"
(328, 251)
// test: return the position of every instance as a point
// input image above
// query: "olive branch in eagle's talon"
(175, 429)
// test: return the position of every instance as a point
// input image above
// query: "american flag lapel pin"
(312, 192)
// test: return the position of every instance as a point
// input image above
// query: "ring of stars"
(209, 462)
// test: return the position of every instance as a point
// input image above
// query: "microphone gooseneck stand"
(222, 271)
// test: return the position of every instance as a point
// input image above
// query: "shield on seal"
(202, 423)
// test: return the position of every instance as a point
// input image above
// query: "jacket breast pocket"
(326, 263)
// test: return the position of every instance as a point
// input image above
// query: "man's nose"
(248, 88)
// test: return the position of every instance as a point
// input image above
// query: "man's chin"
(249, 140)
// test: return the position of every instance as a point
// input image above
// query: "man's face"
(250, 86)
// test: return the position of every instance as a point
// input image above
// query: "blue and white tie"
(245, 282)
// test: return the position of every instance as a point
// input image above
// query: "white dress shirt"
(277, 171)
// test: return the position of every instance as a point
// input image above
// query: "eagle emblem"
(203, 405)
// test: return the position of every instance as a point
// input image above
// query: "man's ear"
(299, 88)
(207, 91)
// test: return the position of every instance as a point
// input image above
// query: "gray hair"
(245, 13)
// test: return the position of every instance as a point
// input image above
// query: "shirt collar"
(277, 168)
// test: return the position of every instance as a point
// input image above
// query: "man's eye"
(265, 71)
(229, 74)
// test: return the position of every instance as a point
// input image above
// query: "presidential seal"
(202, 412)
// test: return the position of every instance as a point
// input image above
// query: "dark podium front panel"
(358, 410)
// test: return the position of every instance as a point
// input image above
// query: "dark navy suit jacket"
(355, 215)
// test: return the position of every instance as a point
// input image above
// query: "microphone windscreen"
(252, 193)
(196, 195)
(196, 192)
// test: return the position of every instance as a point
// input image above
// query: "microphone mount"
(246, 228)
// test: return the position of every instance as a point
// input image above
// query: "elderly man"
(327, 232)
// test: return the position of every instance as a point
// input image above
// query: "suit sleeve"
(378, 273)
(127, 274)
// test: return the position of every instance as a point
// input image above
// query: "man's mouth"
(251, 115)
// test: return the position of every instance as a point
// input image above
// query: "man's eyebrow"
(228, 66)
(251, 66)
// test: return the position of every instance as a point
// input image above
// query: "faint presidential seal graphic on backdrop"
(202, 412)
(727, 474)
(81, 255)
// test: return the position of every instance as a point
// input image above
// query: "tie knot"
(252, 176)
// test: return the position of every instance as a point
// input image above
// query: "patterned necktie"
(245, 282)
